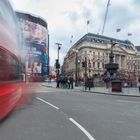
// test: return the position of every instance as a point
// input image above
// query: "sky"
(68, 18)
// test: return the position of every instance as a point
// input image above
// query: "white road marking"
(47, 103)
(82, 129)
(126, 101)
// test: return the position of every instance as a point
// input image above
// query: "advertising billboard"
(35, 34)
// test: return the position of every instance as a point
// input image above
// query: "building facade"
(136, 62)
(35, 38)
(96, 49)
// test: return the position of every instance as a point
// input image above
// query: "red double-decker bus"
(10, 62)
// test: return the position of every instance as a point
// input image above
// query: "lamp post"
(89, 66)
(57, 62)
(59, 47)
(98, 65)
(76, 66)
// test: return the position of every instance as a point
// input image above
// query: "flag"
(129, 34)
(88, 22)
(118, 30)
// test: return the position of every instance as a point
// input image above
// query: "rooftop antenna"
(106, 13)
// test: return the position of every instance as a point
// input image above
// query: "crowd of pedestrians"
(65, 82)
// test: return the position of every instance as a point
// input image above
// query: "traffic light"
(57, 65)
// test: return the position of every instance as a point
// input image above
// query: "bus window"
(9, 67)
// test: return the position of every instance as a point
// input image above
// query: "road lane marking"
(47, 103)
(128, 101)
(82, 129)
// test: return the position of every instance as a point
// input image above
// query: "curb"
(115, 94)
(47, 86)
(97, 92)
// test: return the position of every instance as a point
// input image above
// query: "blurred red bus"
(10, 64)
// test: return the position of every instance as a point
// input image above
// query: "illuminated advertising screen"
(35, 35)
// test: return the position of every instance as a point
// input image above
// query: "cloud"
(66, 18)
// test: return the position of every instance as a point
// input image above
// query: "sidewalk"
(134, 92)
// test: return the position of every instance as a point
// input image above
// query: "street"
(62, 114)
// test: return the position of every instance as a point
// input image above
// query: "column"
(125, 65)
(120, 62)
(114, 58)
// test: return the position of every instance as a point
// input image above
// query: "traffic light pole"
(76, 63)
(59, 47)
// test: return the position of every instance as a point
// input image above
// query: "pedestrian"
(107, 81)
(71, 82)
(138, 84)
(50, 79)
(89, 83)
(58, 81)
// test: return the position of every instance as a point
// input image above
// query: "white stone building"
(96, 48)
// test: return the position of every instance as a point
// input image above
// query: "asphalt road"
(57, 114)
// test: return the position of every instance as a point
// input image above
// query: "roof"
(104, 39)
(137, 48)
(32, 18)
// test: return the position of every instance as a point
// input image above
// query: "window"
(93, 64)
(98, 64)
(103, 65)
(9, 67)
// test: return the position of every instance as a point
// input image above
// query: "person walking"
(107, 81)
(58, 81)
(71, 82)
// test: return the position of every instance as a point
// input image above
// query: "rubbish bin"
(89, 83)
(116, 86)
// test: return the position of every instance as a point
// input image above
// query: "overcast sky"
(69, 17)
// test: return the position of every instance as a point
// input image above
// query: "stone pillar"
(114, 58)
(120, 62)
(125, 65)
(107, 57)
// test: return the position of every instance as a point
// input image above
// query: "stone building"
(96, 49)
(136, 62)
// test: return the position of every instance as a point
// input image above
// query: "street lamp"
(59, 47)
(79, 67)
(76, 66)
(89, 66)
(98, 63)
(57, 62)
(85, 72)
